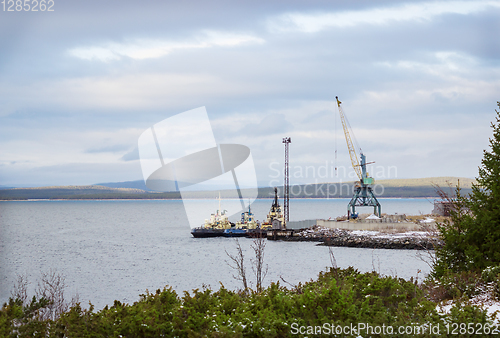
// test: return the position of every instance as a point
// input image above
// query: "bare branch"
(430, 241)
(51, 287)
(238, 265)
(20, 290)
(332, 258)
(259, 244)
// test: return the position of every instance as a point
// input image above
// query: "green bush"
(496, 288)
(454, 286)
(337, 297)
(490, 274)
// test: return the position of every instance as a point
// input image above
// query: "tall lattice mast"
(286, 186)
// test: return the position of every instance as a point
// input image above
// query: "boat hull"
(235, 233)
(257, 233)
(205, 233)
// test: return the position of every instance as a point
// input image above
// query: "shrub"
(453, 286)
(337, 297)
(490, 274)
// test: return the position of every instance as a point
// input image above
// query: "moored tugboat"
(244, 226)
(274, 220)
(215, 226)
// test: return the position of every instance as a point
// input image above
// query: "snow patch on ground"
(378, 234)
(484, 300)
(364, 233)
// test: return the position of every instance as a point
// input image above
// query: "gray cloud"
(438, 72)
(109, 149)
(131, 155)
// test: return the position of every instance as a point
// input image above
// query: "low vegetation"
(337, 298)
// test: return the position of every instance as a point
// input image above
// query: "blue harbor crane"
(363, 192)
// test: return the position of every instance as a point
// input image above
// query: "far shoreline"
(200, 199)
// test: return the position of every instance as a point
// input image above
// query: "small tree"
(258, 246)
(238, 264)
(472, 236)
(484, 204)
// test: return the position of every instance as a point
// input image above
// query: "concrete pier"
(363, 225)
(388, 222)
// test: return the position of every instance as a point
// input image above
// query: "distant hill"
(128, 184)
(71, 192)
(402, 188)
(442, 182)
(397, 182)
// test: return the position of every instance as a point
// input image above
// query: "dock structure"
(389, 222)
(368, 225)
(284, 234)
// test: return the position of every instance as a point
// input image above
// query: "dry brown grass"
(429, 181)
(416, 218)
(390, 231)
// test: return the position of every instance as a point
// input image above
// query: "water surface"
(111, 250)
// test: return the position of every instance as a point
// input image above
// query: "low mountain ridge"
(402, 188)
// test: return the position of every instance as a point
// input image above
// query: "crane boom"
(350, 145)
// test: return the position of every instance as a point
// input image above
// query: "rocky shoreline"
(414, 240)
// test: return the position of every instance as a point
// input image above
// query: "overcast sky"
(418, 81)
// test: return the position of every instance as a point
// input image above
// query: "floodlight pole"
(286, 185)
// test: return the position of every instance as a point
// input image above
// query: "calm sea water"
(111, 250)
